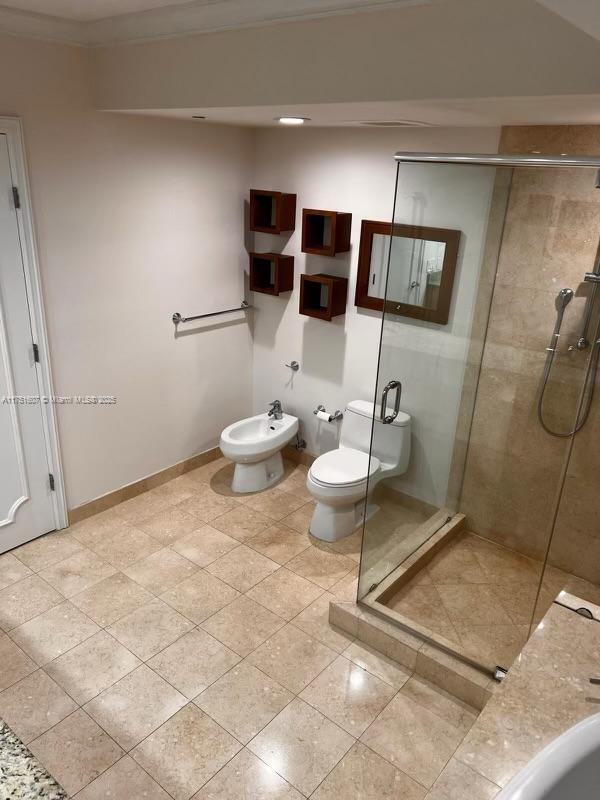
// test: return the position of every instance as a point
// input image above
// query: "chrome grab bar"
(177, 318)
(388, 419)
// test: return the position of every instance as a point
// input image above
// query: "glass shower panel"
(472, 388)
(573, 555)
(433, 362)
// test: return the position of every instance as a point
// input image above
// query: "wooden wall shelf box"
(325, 233)
(271, 273)
(272, 212)
(323, 296)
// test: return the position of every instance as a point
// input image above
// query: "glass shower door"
(455, 551)
(442, 216)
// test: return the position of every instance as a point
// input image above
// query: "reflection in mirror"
(417, 275)
(422, 261)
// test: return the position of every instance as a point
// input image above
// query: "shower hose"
(563, 299)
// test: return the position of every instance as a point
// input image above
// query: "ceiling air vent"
(396, 123)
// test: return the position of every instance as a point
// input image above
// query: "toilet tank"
(391, 443)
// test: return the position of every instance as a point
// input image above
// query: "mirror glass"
(415, 270)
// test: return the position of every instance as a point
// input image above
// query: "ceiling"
(473, 112)
(104, 22)
(100, 22)
(89, 10)
(583, 14)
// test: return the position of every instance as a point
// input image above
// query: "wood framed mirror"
(422, 263)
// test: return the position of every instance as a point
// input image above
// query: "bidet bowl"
(256, 438)
(255, 445)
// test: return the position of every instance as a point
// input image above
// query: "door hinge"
(51, 481)
(36, 353)
(16, 197)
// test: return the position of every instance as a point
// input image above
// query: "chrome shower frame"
(564, 297)
(492, 160)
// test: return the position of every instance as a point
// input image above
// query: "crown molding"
(199, 16)
(42, 26)
(583, 14)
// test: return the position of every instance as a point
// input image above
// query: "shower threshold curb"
(466, 682)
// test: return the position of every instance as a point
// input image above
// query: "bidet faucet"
(276, 411)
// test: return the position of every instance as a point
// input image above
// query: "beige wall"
(513, 467)
(135, 219)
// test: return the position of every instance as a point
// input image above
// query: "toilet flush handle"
(387, 419)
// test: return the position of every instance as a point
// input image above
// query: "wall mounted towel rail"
(177, 318)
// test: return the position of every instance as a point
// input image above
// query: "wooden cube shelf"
(323, 296)
(325, 233)
(272, 212)
(271, 273)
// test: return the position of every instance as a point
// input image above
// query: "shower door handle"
(387, 419)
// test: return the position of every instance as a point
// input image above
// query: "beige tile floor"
(481, 596)
(178, 646)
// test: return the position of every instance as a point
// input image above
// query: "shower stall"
(499, 509)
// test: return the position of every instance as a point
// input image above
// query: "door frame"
(12, 128)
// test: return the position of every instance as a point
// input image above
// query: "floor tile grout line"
(35, 574)
(172, 685)
(260, 730)
(52, 727)
(14, 551)
(256, 600)
(196, 626)
(243, 746)
(457, 748)
(302, 700)
(125, 755)
(101, 627)
(490, 583)
(356, 742)
(103, 630)
(162, 724)
(309, 703)
(85, 639)
(420, 705)
(249, 543)
(472, 767)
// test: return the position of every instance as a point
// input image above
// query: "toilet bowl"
(254, 444)
(340, 479)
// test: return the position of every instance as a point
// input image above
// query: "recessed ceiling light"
(292, 120)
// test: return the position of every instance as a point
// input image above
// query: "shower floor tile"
(481, 596)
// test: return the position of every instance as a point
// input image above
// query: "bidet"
(255, 445)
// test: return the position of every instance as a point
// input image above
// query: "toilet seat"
(343, 467)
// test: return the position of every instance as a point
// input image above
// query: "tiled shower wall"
(514, 467)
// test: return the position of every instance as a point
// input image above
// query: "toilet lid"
(343, 467)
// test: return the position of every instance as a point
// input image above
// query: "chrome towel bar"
(177, 318)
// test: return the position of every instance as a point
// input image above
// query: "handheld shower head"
(563, 298)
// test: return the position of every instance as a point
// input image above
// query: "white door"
(26, 507)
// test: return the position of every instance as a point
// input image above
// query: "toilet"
(338, 479)
(255, 445)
